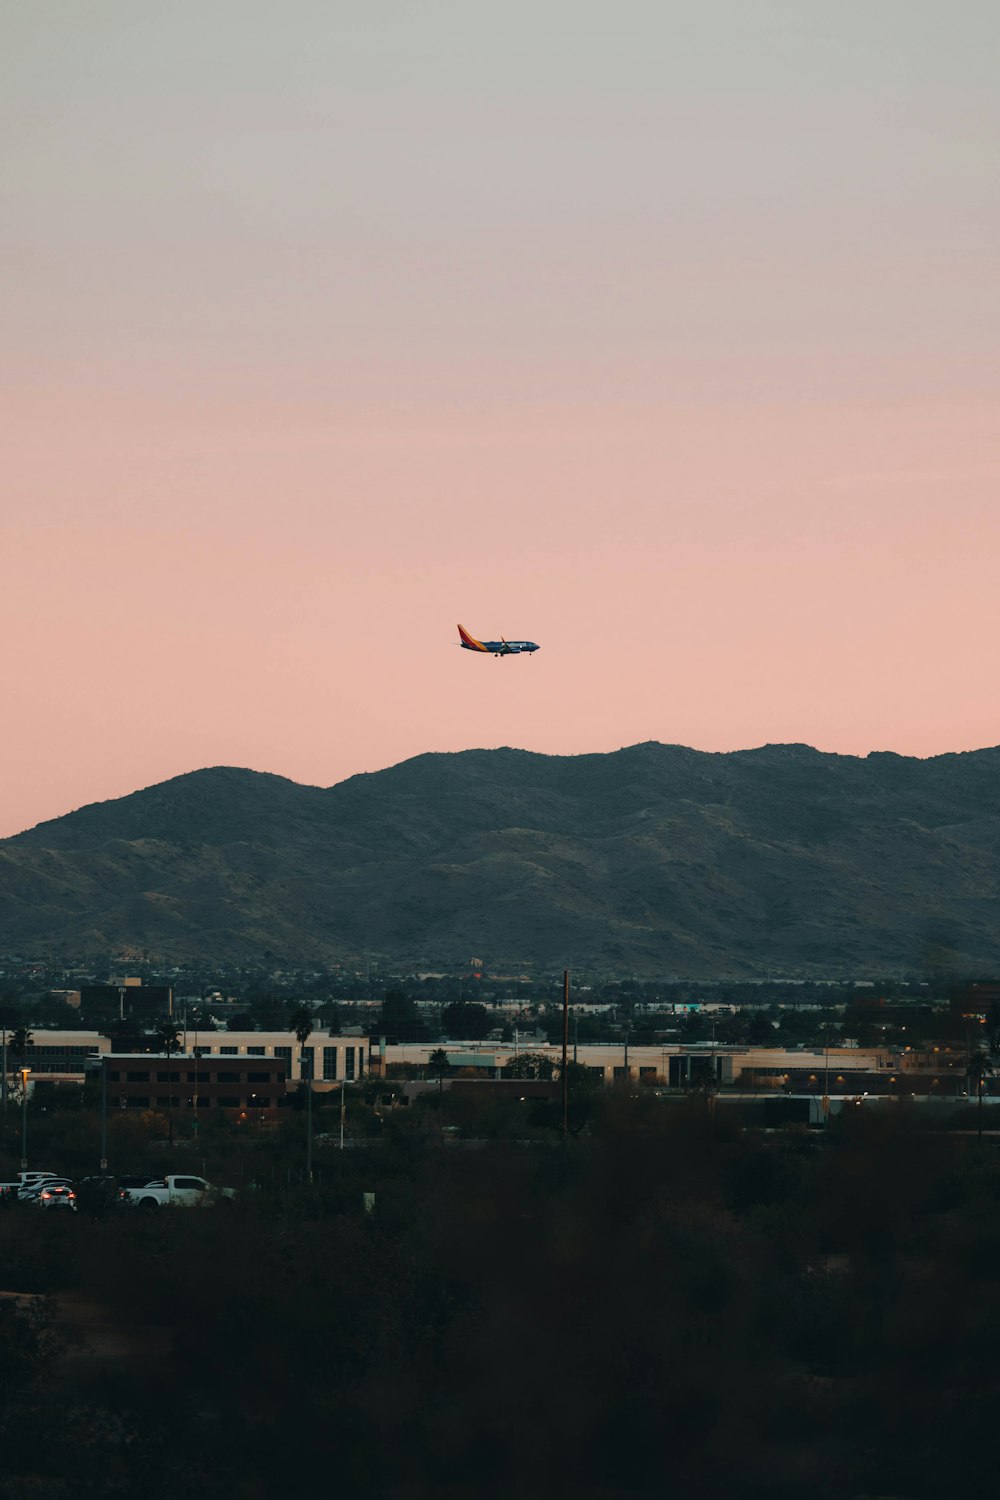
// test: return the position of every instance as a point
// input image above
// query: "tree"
(301, 1022)
(21, 1039)
(167, 1036)
(980, 1069)
(400, 1017)
(17, 1047)
(528, 1065)
(438, 1064)
(471, 1022)
(761, 1029)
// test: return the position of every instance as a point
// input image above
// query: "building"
(671, 1065)
(126, 1000)
(328, 1059)
(248, 1086)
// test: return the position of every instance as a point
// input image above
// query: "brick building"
(249, 1086)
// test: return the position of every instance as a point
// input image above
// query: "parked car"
(11, 1191)
(33, 1191)
(55, 1195)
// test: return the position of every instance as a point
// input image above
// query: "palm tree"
(980, 1069)
(168, 1038)
(301, 1022)
(20, 1040)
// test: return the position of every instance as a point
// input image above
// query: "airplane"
(498, 648)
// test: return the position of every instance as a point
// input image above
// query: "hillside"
(654, 859)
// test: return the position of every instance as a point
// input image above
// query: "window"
(229, 1051)
(647, 1073)
(228, 1101)
(136, 1077)
(198, 1078)
(259, 1101)
(308, 1054)
(256, 1052)
(139, 1102)
(197, 1183)
(258, 1078)
(329, 1062)
(168, 1078)
(349, 1063)
(164, 1101)
(113, 1075)
(227, 1077)
(622, 1072)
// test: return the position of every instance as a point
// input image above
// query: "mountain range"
(655, 859)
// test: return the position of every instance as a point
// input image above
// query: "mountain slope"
(654, 858)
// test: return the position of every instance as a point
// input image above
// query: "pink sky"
(667, 344)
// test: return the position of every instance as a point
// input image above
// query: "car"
(55, 1195)
(34, 1190)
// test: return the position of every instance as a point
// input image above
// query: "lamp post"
(24, 1118)
(104, 1116)
(343, 1108)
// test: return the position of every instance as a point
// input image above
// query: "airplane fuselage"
(504, 648)
(495, 648)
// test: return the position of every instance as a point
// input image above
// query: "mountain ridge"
(653, 858)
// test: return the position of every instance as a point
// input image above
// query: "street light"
(24, 1118)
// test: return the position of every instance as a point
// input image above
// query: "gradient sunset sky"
(663, 334)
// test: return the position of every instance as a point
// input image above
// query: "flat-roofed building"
(329, 1059)
(66, 1053)
(248, 1086)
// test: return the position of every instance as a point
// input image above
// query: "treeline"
(667, 1307)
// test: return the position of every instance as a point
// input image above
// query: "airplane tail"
(470, 640)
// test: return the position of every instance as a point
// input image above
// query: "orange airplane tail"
(470, 640)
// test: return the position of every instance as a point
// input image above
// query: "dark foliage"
(668, 1307)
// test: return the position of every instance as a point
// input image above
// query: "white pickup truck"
(176, 1191)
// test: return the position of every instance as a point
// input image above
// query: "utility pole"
(197, 1018)
(309, 1121)
(104, 1115)
(565, 1057)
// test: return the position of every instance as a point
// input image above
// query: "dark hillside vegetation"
(670, 1307)
(652, 860)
